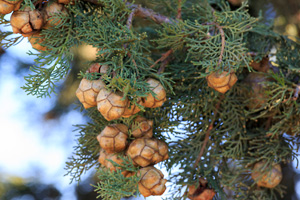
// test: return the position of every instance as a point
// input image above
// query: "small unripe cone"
(113, 138)
(142, 127)
(97, 68)
(221, 82)
(7, 6)
(52, 9)
(104, 158)
(145, 151)
(35, 40)
(257, 93)
(262, 66)
(268, 179)
(153, 102)
(110, 104)
(26, 22)
(87, 92)
(152, 181)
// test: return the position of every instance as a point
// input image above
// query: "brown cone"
(97, 68)
(104, 158)
(201, 192)
(7, 6)
(87, 92)
(131, 110)
(35, 40)
(153, 102)
(262, 66)
(145, 152)
(113, 138)
(152, 181)
(221, 82)
(110, 104)
(256, 95)
(26, 22)
(142, 127)
(268, 179)
(51, 10)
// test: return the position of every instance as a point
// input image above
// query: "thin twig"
(251, 53)
(223, 43)
(223, 39)
(179, 9)
(163, 66)
(207, 135)
(268, 123)
(164, 56)
(148, 13)
(130, 18)
(297, 90)
(204, 145)
(142, 12)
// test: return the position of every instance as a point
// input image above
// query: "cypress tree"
(230, 117)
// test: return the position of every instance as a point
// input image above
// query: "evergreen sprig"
(113, 185)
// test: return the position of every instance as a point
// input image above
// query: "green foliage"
(113, 185)
(7, 38)
(59, 40)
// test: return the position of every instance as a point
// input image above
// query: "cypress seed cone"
(87, 92)
(113, 138)
(145, 151)
(36, 39)
(268, 179)
(221, 82)
(7, 6)
(131, 110)
(262, 66)
(52, 10)
(97, 68)
(26, 22)
(257, 95)
(111, 105)
(142, 128)
(104, 158)
(201, 192)
(152, 181)
(153, 102)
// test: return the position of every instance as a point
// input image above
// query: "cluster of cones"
(144, 151)
(29, 22)
(112, 105)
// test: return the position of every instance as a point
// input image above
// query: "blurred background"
(37, 135)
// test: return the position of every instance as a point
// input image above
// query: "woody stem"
(210, 127)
